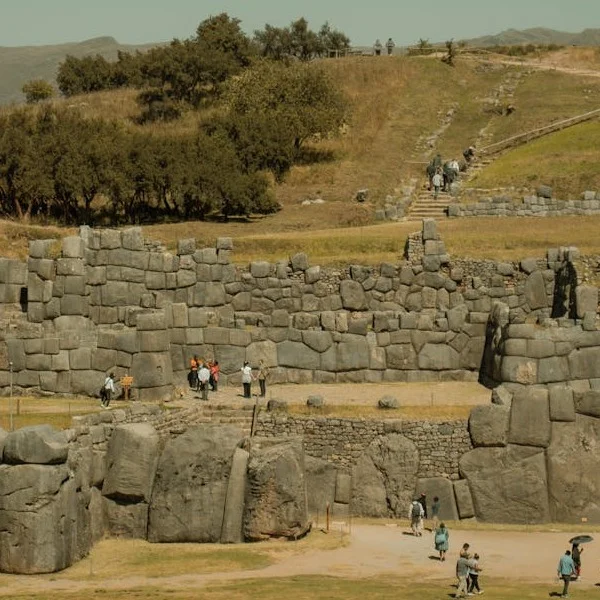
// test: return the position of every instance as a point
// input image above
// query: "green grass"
(567, 160)
(326, 588)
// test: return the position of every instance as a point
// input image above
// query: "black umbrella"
(581, 539)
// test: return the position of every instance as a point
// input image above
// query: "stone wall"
(529, 206)
(111, 301)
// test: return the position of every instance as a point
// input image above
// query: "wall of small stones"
(343, 441)
(529, 206)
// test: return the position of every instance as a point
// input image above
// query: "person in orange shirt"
(193, 374)
(214, 375)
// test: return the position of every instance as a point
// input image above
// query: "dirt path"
(373, 550)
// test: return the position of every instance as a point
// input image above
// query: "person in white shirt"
(108, 389)
(203, 378)
(247, 380)
(416, 514)
(437, 182)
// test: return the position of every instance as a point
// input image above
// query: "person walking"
(193, 374)
(437, 182)
(390, 46)
(247, 379)
(263, 373)
(377, 46)
(415, 514)
(435, 512)
(474, 570)
(462, 572)
(203, 378)
(441, 540)
(566, 568)
(215, 371)
(108, 389)
(576, 556)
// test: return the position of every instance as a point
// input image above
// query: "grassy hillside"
(538, 35)
(22, 63)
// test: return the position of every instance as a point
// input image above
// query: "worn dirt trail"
(373, 550)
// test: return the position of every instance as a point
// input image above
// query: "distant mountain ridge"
(20, 64)
(538, 35)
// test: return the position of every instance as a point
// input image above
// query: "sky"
(39, 22)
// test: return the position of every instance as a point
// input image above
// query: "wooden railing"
(523, 138)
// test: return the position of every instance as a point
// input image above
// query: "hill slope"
(538, 35)
(22, 63)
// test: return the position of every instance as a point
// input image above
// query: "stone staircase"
(177, 420)
(426, 206)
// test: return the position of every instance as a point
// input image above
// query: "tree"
(284, 105)
(333, 40)
(37, 90)
(84, 75)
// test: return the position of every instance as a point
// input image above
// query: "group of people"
(442, 174)
(204, 375)
(417, 513)
(248, 377)
(378, 46)
(569, 567)
(467, 572)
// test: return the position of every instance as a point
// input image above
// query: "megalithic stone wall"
(108, 300)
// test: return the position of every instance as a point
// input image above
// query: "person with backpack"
(107, 390)
(441, 541)
(415, 514)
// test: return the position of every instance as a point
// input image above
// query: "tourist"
(435, 512)
(263, 373)
(203, 378)
(415, 514)
(423, 502)
(576, 556)
(437, 182)
(247, 380)
(474, 569)
(108, 389)
(390, 46)
(465, 549)
(215, 371)
(193, 374)
(377, 46)
(430, 170)
(469, 154)
(441, 540)
(462, 573)
(566, 568)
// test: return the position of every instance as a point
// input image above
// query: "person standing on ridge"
(377, 47)
(390, 46)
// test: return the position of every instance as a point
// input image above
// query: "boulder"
(388, 402)
(464, 501)
(126, 520)
(544, 191)
(530, 418)
(444, 490)
(299, 262)
(42, 528)
(151, 369)
(276, 503)
(131, 462)
(574, 471)
(438, 357)
(488, 425)
(315, 401)
(508, 485)
(353, 295)
(297, 356)
(38, 444)
(502, 396)
(191, 484)
(384, 477)
(233, 514)
(274, 405)
(320, 484)
(535, 291)
(586, 299)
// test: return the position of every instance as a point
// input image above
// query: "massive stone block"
(444, 490)
(276, 504)
(38, 444)
(265, 351)
(131, 462)
(508, 485)
(488, 425)
(535, 291)
(353, 295)
(55, 534)
(562, 407)
(384, 477)
(574, 471)
(126, 520)
(586, 297)
(584, 363)
(438, 357)
(191, 483)
(320, 484)
(588, 403)
(297, 355)
(150, 370)
(464, 501)
(530, 418)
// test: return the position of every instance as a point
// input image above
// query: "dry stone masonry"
(111, 301)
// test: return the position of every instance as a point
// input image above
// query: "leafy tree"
(84, 75)
(332, 39)
(37, 90)
(285, 105)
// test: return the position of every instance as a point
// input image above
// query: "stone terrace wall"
(529, 206)
(114, 302)
(344, 441)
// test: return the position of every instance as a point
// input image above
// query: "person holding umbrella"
(576, 551)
